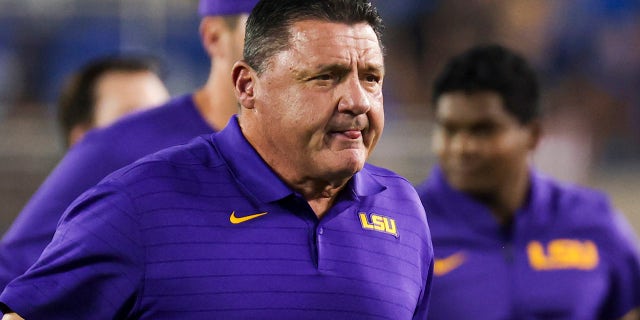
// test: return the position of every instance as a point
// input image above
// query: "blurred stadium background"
(586, 51)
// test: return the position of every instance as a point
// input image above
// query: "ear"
(244, 80)
(535, 134)
(210, 31)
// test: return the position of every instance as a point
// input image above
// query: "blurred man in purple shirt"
(103, 151)
(511, 243)
(105, 90)
(277, 216)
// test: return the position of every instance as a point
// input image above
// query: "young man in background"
(106, 89)
(510, 242)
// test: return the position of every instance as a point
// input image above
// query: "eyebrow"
(332, 67)
(343, 68)
(374, 67)
(466, 124)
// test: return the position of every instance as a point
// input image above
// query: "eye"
(372, 78)
(446, 129)
(324, 77)
(484, 129)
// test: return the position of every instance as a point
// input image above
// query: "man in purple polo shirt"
(510, 242)
(104, 151)
(275, 217)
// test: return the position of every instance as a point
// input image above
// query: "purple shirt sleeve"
(81, 168)
(99, 153)
(98, 235)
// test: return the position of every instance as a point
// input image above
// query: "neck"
(320, 195)
(508, 199)
(216, 102)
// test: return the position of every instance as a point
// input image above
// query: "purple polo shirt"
(98, 154)
(208, 231)
(567, 255)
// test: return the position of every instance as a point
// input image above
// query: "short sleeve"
(93, 267)
(80, 169)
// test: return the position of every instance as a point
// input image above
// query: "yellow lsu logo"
(563, 254)
(379, 223)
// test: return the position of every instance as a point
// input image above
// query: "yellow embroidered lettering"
(390, 226)
(379, 223)
(563, 254)
(537, 258)
(363, 221)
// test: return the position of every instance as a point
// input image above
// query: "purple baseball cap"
(225, 7)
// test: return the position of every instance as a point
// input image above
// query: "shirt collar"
(539, 205)
(365, 183)
(247, 166)
(458, 204)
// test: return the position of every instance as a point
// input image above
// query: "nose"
(463, 143)
(354, 99)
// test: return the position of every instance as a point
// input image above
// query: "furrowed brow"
(334, 68)
(373, 68)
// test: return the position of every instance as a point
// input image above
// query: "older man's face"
(320, 102)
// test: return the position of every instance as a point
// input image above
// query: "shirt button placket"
(319, 235)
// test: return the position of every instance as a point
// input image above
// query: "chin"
(356, 156)
(344, 163)
(349, 168)
(353, 167)
(466, 183)
(473, 187)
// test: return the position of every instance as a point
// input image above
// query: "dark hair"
(78, 97)
(493, 68)
(267, 31)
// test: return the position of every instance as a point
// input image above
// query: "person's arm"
(12, 316)
(81, 168)
(91, 269)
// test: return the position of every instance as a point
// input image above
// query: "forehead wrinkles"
(357, 43)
